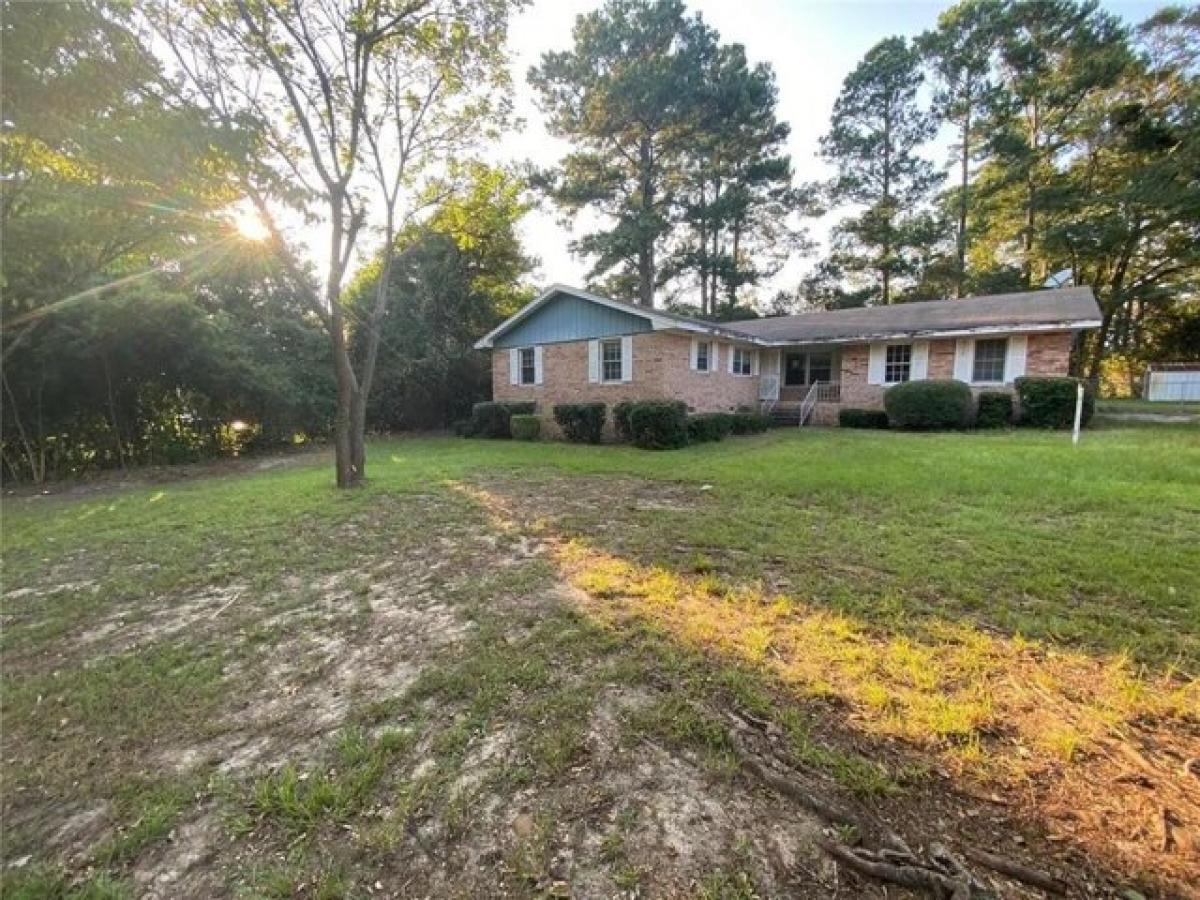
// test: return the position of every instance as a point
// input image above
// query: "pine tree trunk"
(646, 239)
(886, 262)
(1030, 199)
(964, 185)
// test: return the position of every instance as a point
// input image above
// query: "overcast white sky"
(812, 45)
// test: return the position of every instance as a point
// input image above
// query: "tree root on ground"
(939, 872)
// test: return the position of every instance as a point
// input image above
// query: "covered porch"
(796, 381)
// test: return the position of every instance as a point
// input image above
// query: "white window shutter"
(964, 359)
(537, 365)
(593, 361)
(695, 353)
(627, 358)
(714, 362)
(514, 366)
(920, 361)
(1014, 360)
(753, 362)
(875, 363)
(732, 353)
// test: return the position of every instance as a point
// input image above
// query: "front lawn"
(527, 664)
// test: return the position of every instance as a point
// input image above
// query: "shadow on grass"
(1010, 732)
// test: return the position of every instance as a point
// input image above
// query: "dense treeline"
(1075, 151)
(1075, 156)
(136, 327)
(139, 325)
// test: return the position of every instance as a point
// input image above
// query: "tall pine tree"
(960, 54)
(1053, 56)
(876, 129)
(737, 199)
(625, 96)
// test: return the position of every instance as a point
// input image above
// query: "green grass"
(1132, 405)
(885, 571)
(1020, 529)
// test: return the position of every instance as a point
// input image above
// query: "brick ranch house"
(571, 346)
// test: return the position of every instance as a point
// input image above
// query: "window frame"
(905, 364)
(746, 362)
(706, 359)
(1003, 360)
(619, 361)
(521, 366)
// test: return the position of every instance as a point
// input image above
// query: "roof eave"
(867, 337)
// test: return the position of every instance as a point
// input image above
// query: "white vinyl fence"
(1174, 384)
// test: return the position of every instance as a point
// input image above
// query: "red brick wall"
(661, 369)
(1046, 354)
(941, 359)
(708, 391)
(1049, 354)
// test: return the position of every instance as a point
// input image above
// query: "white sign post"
(1078, 412)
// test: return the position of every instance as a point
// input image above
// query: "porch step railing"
(819, 392)
(809, 403)
(800, 412)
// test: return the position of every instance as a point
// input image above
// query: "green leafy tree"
(351, 104)
(736, 198)
(108, 182)
(1053, 56)
(875, 132)
(960, 52)
(454, 279)
(1132, 231)
(625, 96)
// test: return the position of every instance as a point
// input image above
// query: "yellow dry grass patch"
(993, 704)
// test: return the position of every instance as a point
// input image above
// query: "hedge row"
(491, 419)
(862, 418)
(916, 405)
(581, 423)
(650, 424)
(716, 426)
(939, 405)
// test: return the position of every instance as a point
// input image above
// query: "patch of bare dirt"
(114, 480)
(1109, 813)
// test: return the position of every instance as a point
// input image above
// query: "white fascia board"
(940, 333)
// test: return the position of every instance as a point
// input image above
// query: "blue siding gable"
(569, 318)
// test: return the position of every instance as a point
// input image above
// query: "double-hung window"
(610, 360)
(528, 365)
(703, 356)
(742, 362)
(897, 364)
(989, 361)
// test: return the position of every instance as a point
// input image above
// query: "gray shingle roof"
(1070, 307)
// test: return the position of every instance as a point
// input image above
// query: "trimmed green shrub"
(748, 422)
(490, 419)
(994, 410)
(659, 424)
(1050, 402)
(525, 427)
(851, 417)
(621, 413)
(714, 426)
(582, 423)
(929, 405)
